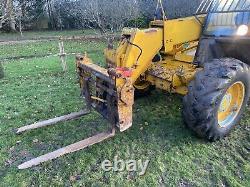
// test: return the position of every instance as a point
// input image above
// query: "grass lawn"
(49, 48)
(43, 34)
(36, 89)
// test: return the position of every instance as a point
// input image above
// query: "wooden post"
(62, 55)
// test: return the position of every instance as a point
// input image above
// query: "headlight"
(242, 30)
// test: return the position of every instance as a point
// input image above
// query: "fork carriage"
(99, 89)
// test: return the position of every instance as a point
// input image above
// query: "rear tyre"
(217, 97)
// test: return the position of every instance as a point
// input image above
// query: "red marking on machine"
(124, 72)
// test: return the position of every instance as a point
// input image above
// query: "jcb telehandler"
(204, 57)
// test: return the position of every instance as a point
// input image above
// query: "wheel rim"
(141, 85)
(231, 104)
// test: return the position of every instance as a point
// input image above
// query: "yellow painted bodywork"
(171, 75)
(128, 55)
(162, 56)
(181, 31)
(175, 40)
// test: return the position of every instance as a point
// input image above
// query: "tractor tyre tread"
(205, 92)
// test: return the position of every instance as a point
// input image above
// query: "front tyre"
(217, 97)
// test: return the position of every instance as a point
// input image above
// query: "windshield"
(226, 17)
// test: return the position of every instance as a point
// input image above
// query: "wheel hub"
(225, 103)
(231, 104)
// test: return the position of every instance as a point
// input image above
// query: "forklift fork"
(68, 149)
(98, 88)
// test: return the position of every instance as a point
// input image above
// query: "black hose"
(138, 48)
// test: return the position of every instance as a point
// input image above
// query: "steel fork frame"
(68, 149)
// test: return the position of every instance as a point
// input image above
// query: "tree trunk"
(51, 14)
(10, 16)
(12, 25)
(3, 13)
(1, 71)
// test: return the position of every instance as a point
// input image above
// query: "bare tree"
(8, 16)
(181, 8)
(173, 8)
(50, 5)
(106, 15)
(3, 12)
(112, 15)
(12, 13)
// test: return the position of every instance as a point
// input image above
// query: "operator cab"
(226, 30)
(228, 18)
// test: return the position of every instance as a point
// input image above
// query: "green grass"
(43, 34)
(36, 89)
(48, 48)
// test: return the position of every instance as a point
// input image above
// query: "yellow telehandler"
(204, 57)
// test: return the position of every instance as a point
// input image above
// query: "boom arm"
(136, 51)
